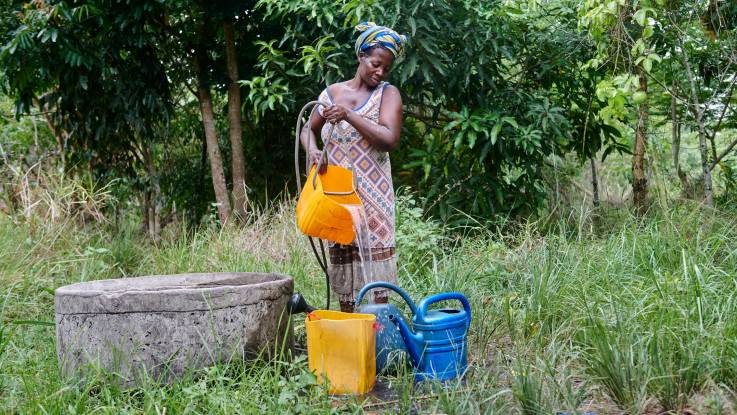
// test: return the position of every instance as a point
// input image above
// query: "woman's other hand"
(336, 114)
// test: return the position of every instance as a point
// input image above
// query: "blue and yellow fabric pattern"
(373, 35)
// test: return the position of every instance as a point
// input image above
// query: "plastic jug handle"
(313, 316)
(425, 304)
(381, 284)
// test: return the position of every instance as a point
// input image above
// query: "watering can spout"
(298, 304)
(411, 340)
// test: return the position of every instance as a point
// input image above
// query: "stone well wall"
(169, 324)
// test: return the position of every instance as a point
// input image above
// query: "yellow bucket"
(341, 348)
(320, 210)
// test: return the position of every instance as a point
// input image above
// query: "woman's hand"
(336, 114)
(315, 156)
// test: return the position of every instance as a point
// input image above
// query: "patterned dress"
(372, 172)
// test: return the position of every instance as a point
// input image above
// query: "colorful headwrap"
(373, 35)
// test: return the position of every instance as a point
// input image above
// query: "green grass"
(637, 317)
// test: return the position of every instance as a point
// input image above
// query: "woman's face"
(374, 66)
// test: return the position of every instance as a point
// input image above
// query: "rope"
(321, 259)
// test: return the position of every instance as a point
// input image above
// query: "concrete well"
(167, 325)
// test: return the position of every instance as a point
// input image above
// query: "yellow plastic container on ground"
(341, 349)
(320, 209)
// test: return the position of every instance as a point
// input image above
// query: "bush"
(419, 239)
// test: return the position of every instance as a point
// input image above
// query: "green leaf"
(606, 153)
(640, 17)
(471, 138)
(495, 133)
(513, 11)
(485, 151)
(451, 125)
(458, 140)
(511, 121)
(647, 64)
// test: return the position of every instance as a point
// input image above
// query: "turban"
(373, 35)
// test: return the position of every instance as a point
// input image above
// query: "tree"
(235, 122)
(225, 71)
(706, 48)
(622, 32)
(199, 63)
(216, 66)
(95, 74)
(490, 94)
(104, 71)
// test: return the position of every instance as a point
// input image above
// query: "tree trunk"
(59, 133)
(235, 123)
(699, 114)
(639, 178)
(594, 182)
(676, 139)
(676, 132)
(213, 152)
(208, 121)
(713, 145)
(146, 210)
(203, 167)
(154, 200)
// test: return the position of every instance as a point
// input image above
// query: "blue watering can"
(436, 340)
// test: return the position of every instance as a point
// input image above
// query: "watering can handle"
(380, 284)
(425, 304)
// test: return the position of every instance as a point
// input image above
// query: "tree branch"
(427, 120)
(724, 154)
(189, 87)
(727, 99)
(699, 113)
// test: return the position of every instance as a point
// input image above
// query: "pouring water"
(363, 241)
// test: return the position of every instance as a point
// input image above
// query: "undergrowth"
(638, 317)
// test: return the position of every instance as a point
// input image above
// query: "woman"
(367, 113)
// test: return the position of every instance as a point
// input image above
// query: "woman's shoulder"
(387, 87)
(390, 92)
(336, 88)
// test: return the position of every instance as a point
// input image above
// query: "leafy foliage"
(493, 91)
(490, 91)
(114, 80)
(419, 239)
(93, 65)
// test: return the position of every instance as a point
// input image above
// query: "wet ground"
(383, 398)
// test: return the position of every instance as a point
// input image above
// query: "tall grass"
(614, 358)
(635, 317)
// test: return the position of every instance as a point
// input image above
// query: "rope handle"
(297, 133)
(324, 157)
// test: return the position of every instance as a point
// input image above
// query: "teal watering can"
(389, 342)
(436, 340)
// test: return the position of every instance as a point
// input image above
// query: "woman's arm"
(384, 135)
(309, 141)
